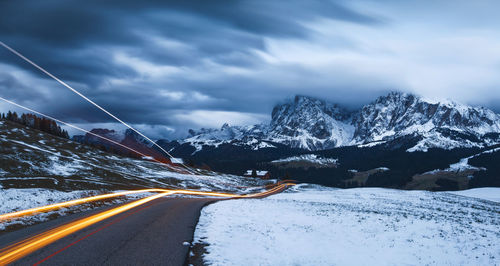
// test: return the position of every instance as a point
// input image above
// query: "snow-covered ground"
(313, 158)
(27, 154)
(487, 193)
(313, 225)
(20, 199)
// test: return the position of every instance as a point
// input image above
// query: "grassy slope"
(31, 158)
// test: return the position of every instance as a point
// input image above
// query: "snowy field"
(487, 193)
(313, 225)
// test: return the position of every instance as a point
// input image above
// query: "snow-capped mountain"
(314, 124)
(311, 124)
(303, 122)
(251, 136)
(441, 124)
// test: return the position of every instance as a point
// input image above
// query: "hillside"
(35, 159)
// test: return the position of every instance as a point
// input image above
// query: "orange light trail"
(71, 203)
(20, 249)
(52, 207)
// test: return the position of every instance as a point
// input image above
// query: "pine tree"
(43, 124)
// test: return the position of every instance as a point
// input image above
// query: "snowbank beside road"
(365, 226)
(26, 198)
(13, 200)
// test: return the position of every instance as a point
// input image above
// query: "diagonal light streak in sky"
(89, 100)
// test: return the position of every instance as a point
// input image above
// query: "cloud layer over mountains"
(167, 66)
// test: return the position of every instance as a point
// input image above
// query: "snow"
(383, 135)
(262, 145)
(434, 139)
(248, 136)
(486, 193)
(313, 225)
(463, 164)
(314, 124)
(177, 160)
(307, 157)
(21, 199)
(16, 199)
(258, 173)
(90, 167)
(61, 168)
(371, 144)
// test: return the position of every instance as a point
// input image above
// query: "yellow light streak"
(22, 248)
(71, 203)
(18, 251)
(52, 207)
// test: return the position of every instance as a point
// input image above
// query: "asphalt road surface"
(150, 234)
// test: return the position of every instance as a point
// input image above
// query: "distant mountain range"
(313, 124)
(399, 140)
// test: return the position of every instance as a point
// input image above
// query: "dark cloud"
(10, 85)
(62, 34)
(151, 62)
(77, 41)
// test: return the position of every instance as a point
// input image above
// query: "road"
(151, 234)
(155, 232)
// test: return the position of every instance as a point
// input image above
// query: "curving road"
(151, 234)
(155, 233)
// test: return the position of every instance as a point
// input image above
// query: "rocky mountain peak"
(315, 124)
(398, 114)
(310, 123)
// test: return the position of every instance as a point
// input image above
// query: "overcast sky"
(166, 66)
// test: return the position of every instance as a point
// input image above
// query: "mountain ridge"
(314, 124)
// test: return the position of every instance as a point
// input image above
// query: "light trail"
(83, 130)
(22, 248)
(18, 251)
(72, 203)
(89, 100)
(52, 207)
